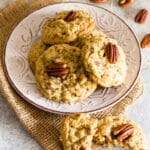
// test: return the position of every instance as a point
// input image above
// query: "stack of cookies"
(73, 58)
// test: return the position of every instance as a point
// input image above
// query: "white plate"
(28, 31)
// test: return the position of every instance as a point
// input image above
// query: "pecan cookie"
(61, 76)
(36, 50)
(66, 26)
(120, 132)
(77, 132)
(105, 60)
(83, 39)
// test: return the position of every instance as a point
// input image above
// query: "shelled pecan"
(146, 41)
(57, 69)
(124, 131)
(125, 3)
(112, 53)
(141, 16)
(70, 16)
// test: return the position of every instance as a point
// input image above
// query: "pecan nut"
(112, 53)
(123, 132)
(146, 41)
(141, 16)
(57, 70)
(125, 3)
(99, 1)
(70, 16)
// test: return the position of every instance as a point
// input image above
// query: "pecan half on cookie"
(112, 53)
(57, 69)
(71, 16)
(125, 3)
(124, 131)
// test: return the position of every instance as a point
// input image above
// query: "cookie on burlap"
(77, 132)
(61, 76)
(36, 50)
(105, 60)
(120, 132)
(66, 26)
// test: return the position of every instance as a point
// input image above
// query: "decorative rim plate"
(28, 31)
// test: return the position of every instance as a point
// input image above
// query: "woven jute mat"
(42, 125)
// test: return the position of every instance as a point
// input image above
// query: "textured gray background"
(14, 137)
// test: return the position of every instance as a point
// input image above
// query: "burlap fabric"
(42, 125)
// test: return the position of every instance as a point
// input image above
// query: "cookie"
(66, 26)
(105, 60)
(36, 50)
(61, 76)
(83, 39)
(77, 132)
(120, 132)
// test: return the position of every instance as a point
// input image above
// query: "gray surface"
(14, 137)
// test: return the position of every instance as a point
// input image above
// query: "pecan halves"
(57, 69)
(141, 16)
(123, 132)
(70, 16)
(99, 1)
(146, 41)
(112, 53)
(125, 3)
